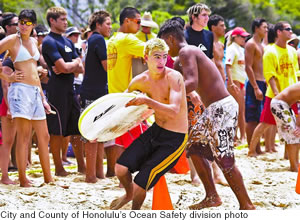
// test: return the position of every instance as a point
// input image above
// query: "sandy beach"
(270, 184)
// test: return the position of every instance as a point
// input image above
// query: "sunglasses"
(13, 24)
(137, 21)
(287, 29)
(28, 23)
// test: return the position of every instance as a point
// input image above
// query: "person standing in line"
(235, 70)
(217, 26)
(256, 86)
(63, 63)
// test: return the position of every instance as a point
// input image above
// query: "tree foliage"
(235, 12)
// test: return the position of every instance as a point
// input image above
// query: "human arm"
(231, 87)
(169, 110)
(249, 59)
(272, 83)
(189, 68)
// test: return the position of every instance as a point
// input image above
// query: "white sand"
(268, 180)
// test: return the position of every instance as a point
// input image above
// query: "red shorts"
(3, 108)
(266, 114)
(126, 139)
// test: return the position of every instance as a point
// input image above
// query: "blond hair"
(154, 45)
(196, 10)
(55, 12)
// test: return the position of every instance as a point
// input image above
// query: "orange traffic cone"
(161, 198)
(298, 181)
(182, 166)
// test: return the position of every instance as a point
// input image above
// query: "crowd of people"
(208, 96)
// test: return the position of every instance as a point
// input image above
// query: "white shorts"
(285, 120)
(25, 101)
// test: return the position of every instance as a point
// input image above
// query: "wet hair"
(55, 12)
(28, 14)
(196, 10)
(97, 17)
(257, 22)
(171, 27)
(7, 17)
(128, 12)
(154, 45)
(214, 20)
(271, 33)
(279, 26)
(180, 20)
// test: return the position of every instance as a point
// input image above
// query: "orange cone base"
(161, 198)
(298, 181)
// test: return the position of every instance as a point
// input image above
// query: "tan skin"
(291, 95)
(201, 74)
(59, 26)
(170, 113)
(218, 49)
(238, 94)
(254, 68)
(29, 76)
(281, 41)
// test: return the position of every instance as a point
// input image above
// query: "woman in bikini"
(26, 100)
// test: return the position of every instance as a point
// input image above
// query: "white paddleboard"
(108, 118)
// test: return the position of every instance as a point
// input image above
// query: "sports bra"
(24, 55)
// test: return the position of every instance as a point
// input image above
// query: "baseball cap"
(72, 30)
(239, 31)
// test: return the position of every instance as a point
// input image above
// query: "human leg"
(203, 169)
(270, 134)
(92, 160)
(139, 195)
(23, 135)
(40, 126)
(259, 130)
(8, 138)
(126, 180)
(293, 155)
(77, 147)
(235, 181)
(64, 150)
(112, 154)
(250, 127)
(99, 163)
(56, 142)
(194, 176)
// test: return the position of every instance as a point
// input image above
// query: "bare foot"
(110, 174)
(274, 150)
(220, 180)
(91, 179)
(62, 173)
(294, 169)
(7, 181)
(100, 175)
(248, 207)
(119, 202)
(212, 201)
(26, 183)
(252, 154)
(196, 181)
(81, 170)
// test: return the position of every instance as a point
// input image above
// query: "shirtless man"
(158, 149)
(217, 26)
(288, 125)
(220, 117)
(256, 87)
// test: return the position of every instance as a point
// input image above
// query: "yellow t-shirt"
(121, 47)
(235, 57)
(281, 63)
(142, 36)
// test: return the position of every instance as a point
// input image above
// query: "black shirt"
(94, 83)
(203, 39)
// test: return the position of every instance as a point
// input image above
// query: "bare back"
(164, 91)
(218, 51)
(200, 73)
